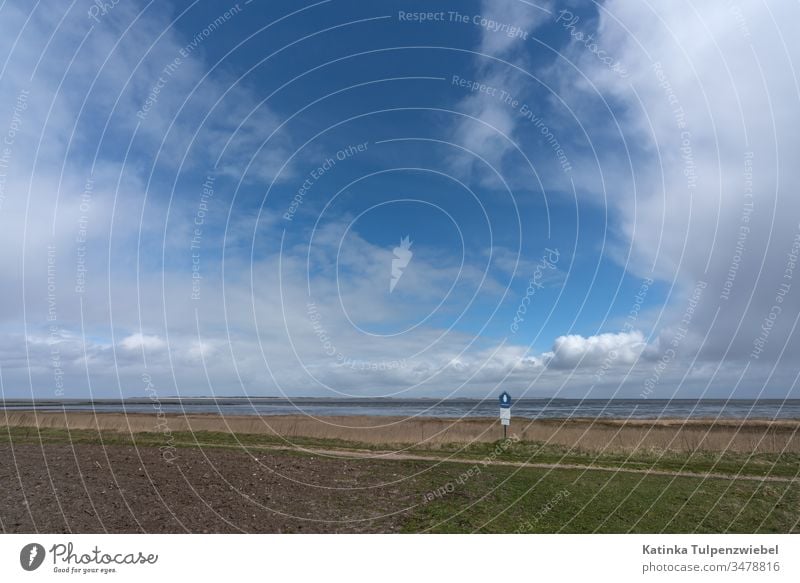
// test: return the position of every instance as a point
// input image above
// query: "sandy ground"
(593, 435)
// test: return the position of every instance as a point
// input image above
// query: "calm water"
(531, 408)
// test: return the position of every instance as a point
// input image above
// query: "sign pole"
(505, 413)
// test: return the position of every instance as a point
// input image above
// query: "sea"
(526, 408)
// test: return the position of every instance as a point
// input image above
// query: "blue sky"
(573, 182)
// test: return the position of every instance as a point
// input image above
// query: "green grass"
(511, 499)
(176, 439)
(503, 500)
(762, 464)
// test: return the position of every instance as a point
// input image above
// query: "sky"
(399, 199)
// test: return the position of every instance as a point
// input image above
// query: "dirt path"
(367, 454)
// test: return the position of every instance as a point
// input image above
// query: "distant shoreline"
(280, 399)
(419, 408)
(390, 419)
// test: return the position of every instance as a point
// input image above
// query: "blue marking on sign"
(505, 400)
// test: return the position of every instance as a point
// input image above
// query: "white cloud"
(707, 109)
(491, 128)
(623, 348)
(527, 17)
(140, 341)
(257, 330)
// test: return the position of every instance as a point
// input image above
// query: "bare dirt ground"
(90, 488)
(58, 473)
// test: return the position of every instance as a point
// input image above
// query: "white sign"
(505, 416)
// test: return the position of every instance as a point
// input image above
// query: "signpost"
(505, 411)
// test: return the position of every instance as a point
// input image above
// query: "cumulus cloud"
(575, 350)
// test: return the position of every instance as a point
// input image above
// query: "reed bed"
(751, 436)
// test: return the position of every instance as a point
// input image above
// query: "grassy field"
(576, 501)
(502, 486)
